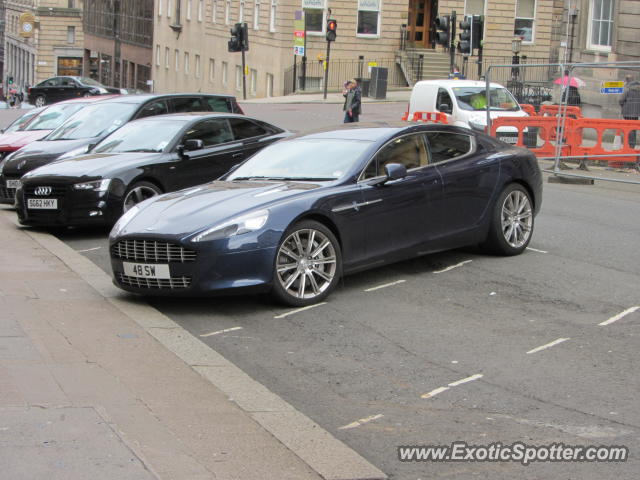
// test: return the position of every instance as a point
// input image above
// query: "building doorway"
(422, 14)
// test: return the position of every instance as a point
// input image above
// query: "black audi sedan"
(93, 123)
(305, 210)
(55, 89)
(140, 160)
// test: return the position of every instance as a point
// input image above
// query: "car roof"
(194, 116)
(458, 83)
(369, 131)
(139, 99)
(96, 98)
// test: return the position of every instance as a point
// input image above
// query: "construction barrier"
(435, 117)
(543, 125)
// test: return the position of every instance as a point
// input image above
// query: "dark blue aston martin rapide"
(304, 211)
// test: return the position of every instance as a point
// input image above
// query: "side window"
(218, 104)
(52, 82)
(409, 151)
(158, 107)
(443, 98)
(445, 146)
(211, 132)
(67, 82)
(243, 129)
(187, 104)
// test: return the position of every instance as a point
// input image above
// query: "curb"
(322, 452)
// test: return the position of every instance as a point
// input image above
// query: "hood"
(15, 140)
(40, 153)
(93, 165)
(189, 211)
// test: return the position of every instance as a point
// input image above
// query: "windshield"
(54, 116)
(134, 137)
(474, 98)
(94, 121)
(303, 159)
(21, 122)
(90, 81)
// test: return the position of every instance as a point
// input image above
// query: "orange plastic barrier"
(530, 109)
(554, 110)
(622, 128)
(435, 117)
(544, 127)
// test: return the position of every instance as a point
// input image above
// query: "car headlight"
(123, 220)
(74, 153)
(236, 226)
(477, 126)
(96, 185)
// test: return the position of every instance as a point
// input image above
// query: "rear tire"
(40, 101)
(308, 264)
(511, 222)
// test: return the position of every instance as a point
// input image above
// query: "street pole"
(244, 77)
(452, 47)
(304, 57)
(326, 70)
(295, 62)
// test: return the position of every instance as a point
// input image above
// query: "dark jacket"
(571, 96)
(630, 100)
(356, 103)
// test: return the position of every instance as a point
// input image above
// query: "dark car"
(130, 166)
(56, 89)
(93, 123)
(304, 211)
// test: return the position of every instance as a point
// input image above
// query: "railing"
(134, 21)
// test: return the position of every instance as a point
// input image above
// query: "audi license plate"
(13, 183)
(512, 140)
(146, 270)
(42, 203)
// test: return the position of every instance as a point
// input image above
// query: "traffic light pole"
(452, 47)
(244, 77)
(326, 70)
(304, 57)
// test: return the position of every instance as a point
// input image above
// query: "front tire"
(308, 264)
(512, 222)
(40, 101)
(139, 192)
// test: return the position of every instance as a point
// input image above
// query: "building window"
(254, 82)
(256, 15)
(227, 12)
(525, 16)
(178, 12)
(214, 11)
(600, 24)
(200, 9)
(238, 77)
(241, 12)
(188, 9)
(167, 53)
(169, 7)
(177, 55)
(197, 66)
(368, 17)
(272, 15)
(157, 55)
(269, 84)
(71, 34)
(71, 4)
(314, 12)
(225, 73)
(186, 63)
(474, 7)
(212, 69)
(160, 7)
(69, 66)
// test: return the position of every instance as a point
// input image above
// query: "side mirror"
(445, 108)
(395, 171)
(180, 151)
(191, 145)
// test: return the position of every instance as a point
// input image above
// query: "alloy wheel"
(138, 194)
(517, 218)
(40, 101)
(306, 263)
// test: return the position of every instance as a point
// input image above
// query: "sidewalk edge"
(319, 449)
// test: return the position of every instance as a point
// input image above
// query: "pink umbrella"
(572, 81)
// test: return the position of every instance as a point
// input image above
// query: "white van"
(465, 104)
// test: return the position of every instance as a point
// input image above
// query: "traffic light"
(239, 41)
(332, 27)
(477, 31)
(466, 34)
(10, 80)
(443, 28)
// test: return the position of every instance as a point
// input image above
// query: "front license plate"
(42, 203)
(146, 270)
(13, 183)
(512, 140)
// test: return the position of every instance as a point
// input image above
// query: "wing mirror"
(393, 171)
(444, 108)
(189, 146)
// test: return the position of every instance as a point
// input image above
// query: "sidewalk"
(332, 97)
(97, 385)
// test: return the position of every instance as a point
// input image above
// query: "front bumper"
(221, 267)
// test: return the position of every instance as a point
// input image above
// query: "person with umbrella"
(570, 85)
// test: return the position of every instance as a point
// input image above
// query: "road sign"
(298, 33)
(612, 87)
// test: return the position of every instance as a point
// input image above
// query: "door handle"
(237, 155)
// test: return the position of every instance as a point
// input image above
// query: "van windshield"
(475, 98)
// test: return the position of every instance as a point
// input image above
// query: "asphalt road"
(395, 356)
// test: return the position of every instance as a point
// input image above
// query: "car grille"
(56, 191)
(152, 251)
(173, 283)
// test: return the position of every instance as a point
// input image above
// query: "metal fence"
(311, 78)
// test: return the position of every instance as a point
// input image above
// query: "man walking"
(352, 102)
(630, 103)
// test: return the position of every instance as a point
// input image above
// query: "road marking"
(218, 332)
(384, 286)
(536, 250)
(619, 316)
(89, 250)
(362, 421)
(435, 392)
(466, 380)
(453, 266)
(299, 310)
(548, 345)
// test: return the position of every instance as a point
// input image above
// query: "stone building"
(2, 17)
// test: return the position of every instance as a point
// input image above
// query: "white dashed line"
(384, 286)
(466, 380)
(453, 266)
(298, 310)
(619, 316)
(536, 250)
(218, 332)
(89, 250)
(362, 421)
(548, 345)
(435, 392)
